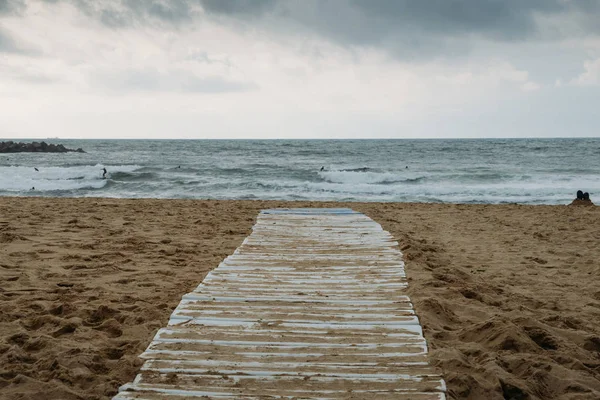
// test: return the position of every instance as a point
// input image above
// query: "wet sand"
(509, 296)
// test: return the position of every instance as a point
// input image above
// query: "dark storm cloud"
(372, 21)
(349, 21)
(412, 29)
(406, 28)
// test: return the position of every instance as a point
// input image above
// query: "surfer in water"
(104, 173)
(36, 169)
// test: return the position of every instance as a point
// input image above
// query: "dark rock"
(513, 392)
(43, 147)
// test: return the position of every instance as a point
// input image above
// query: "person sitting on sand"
(583, 199)
(586, 196)
(104, 173)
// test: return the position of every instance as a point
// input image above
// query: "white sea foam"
(22, 178)
(353, 177)
(521, 171)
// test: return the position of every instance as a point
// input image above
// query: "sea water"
(526, 171)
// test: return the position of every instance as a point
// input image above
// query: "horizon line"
(315, 139)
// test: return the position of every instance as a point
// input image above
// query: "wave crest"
(366, 176)
(48, 179)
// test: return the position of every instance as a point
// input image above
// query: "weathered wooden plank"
(309, 307)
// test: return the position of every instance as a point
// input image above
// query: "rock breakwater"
(35, 147)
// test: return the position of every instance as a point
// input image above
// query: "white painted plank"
(310, 306)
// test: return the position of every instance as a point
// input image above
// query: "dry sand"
(509, 296)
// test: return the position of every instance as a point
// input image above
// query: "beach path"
(310, 306)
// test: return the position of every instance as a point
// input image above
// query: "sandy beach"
(508, 295)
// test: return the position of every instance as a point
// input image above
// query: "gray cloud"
(370, 21)
(411, 29)
(30, 77)
(9, 7)
(203, 58)
(407, 29)
(7, 44)
(360, 21)
(127, 13)
(239, 7)
(123, 13)
(131, 11)
(178, 81)
(350, 20)
(10, 45)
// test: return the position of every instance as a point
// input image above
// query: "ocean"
(491, 171)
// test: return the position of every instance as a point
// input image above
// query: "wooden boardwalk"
(310, 306)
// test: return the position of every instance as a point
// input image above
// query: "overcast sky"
(299, 69)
